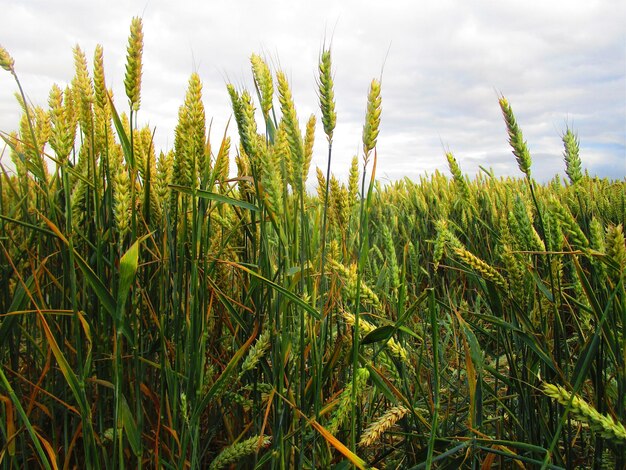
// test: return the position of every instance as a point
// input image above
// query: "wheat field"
(159, 311)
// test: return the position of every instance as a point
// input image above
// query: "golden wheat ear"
(374, 431)
(6, 61)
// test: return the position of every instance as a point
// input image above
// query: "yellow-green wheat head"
(372, 118)
(132, 81)
(6, 61)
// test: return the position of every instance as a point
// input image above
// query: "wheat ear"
(132, 80)
(584, 412)
(237, 451)
(376, 429)
(6, 61)
(516, 138)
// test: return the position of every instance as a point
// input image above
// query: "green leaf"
(541, 286)
(103, 294)
(20, 300)
(67, 371)
(24, 417)
(234, 314)
(380, 383)
(126, 148)
(27, 225)
(215, 197)
(36, 170)
(383, 333)
(476, 352)
(132, 433)
(379, 334)
(94, 281)
(220, 384)
(408, 331)
(530, 341)
(128, 269)
(287, 293)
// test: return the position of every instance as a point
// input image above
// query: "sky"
(443, 66)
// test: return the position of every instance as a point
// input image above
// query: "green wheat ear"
(616, 249)
(342, 412)
(372, 118)
(309, 140)
(457, 174)
(243, 109)
(572, 157)
(321, 186)
(122, 203)
(264, 84)
(196, 132)
(294, 137)
(249, 135)
(484, 269)
(240, 450)
(62, 121)
(82, 88)
(327, 95)
(132, 81)
(605, 425)
(516, 138)
(98, 77)
(353, 181)
(222, 161)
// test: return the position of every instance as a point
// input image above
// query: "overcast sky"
(557, 62)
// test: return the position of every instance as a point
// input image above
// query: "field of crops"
(159, 311)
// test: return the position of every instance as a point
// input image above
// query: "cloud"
(443, 65)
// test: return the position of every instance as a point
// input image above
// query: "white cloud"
(557, 63)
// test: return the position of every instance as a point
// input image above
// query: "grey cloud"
(558, 63)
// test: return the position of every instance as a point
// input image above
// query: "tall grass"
(157, 311)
